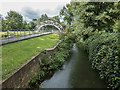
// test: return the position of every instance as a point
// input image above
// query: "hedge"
(104, 53)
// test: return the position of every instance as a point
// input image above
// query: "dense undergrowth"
(104, 53)
(96, 25)
(50, 62)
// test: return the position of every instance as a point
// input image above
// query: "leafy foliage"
(13, 21)
(66, 12)
(97, 26)
(50, 62)
(104, 55)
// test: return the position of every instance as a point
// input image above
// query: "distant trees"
(44, 17)
(31, 25)
(14, 21)
(0, 22)
(25, 25)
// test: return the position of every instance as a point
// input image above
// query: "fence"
(18, 33)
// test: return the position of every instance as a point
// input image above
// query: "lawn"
(15, 54)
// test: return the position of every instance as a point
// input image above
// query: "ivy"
(104, 56)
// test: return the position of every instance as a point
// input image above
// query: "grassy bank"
(51, 62)
(15, 54)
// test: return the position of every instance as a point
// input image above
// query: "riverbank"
(51, 62)
(103, 50)
(75, 73)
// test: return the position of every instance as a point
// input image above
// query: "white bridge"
(49, 22)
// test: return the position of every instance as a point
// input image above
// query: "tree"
(67, 13)
(25, 25)
(97, 25)
(0, 22)
(31, 25)
(98, 15)
(42, 18)
(14, 20)
(55, 18)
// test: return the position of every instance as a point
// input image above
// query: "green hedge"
(104, 54)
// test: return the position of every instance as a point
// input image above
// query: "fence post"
(17, 33)
(32, 31)
(29, 31)
(20, 32)
(8, 34)
(24, 33)
(14, 33)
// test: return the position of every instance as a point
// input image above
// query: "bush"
(104, 55)
(50, 63)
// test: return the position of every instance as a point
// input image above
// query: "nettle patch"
(104, 53)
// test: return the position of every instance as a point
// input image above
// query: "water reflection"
(75, 73)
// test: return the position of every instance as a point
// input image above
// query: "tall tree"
(0, 22)
(25, 25)
(67, 13)
(42, 18)
(55, 18)
(14, 20)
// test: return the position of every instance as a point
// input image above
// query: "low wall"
(21, 77)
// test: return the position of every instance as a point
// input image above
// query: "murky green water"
(75, 73)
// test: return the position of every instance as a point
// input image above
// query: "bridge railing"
(49, 22)
(7, 34)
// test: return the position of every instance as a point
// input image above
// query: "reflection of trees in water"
(82, 75)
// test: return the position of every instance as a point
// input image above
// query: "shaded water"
(75, 73)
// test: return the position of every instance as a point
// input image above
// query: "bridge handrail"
(49, 22)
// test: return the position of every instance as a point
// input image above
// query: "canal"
(75, 73)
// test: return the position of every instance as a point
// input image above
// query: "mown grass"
(15, 54)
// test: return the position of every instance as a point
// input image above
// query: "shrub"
(50, 63)
(104, 56)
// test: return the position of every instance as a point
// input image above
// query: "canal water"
(75, 73)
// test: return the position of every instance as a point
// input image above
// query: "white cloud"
(33, 8)
(35, 1)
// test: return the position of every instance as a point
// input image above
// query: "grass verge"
(15, 54)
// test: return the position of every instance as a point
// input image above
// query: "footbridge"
(49, 22)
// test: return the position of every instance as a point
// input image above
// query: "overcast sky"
(30, 9)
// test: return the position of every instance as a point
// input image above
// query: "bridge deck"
(6, 41)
